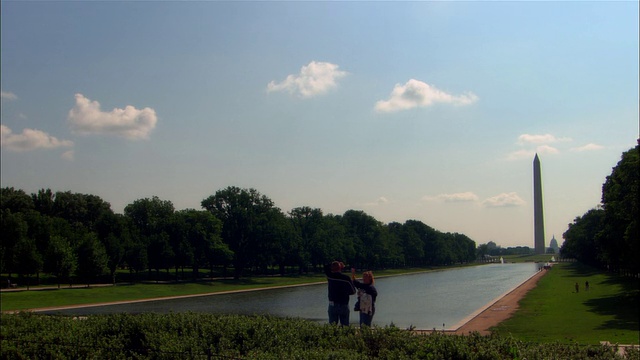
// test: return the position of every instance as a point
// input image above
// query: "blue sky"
(405, 110)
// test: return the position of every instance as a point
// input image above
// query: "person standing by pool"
(367, 294)
(340, 288)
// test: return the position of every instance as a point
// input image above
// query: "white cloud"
(457, 197)
(540, 139)
(521, 154)
(68, 155)
(380, 201)
(5, 95)
(588, 147)
(504, 200)
(314, 79)
(86, 118)
(30, 139)
(543, 148)
(415, 93)
(546, 149)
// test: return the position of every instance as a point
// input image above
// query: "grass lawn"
(22, 300)
(555, 312)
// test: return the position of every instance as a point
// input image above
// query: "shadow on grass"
(622, 306)
(581, 270)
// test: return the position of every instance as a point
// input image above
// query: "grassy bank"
(555, 312)
(22, 300)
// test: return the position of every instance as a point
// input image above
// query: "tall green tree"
(307, 222)
(60, 260)
(391, 249)
(279, 244)
(202, 235)
(161, 255)
(150, 216)
(620, 200)
(136, 256)
(43, 201)
(14, 229)
(27, 259)
(15, 200)
(150, 219)
(40, 229)
(92, 259)
(364, 230)
(241, 212)
(72, 207)
(113, 232)
(427, 240)
(333, 242)
(582, 240)
(183, 251)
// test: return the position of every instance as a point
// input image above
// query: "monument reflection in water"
(440, 299)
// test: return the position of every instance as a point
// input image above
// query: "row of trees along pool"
(608, 236)
(77, 238)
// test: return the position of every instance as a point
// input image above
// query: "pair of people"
(342, 286)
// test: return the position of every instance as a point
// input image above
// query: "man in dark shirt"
(340, 288)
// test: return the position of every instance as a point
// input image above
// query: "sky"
(429, 111)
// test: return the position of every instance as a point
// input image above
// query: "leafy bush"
(209, 336)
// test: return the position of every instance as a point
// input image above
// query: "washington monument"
(538, 216)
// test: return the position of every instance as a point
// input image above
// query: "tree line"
(78, 237)
(607, 236)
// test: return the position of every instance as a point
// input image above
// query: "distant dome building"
(553, 244)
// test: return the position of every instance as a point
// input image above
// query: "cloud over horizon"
(314, 79)
(541, 139)
(457, 197)
(30, 139)
(6, 95)
(86, 118)
(504, 200)
(415, 93)
(541, 146)
(587, 147)
(379, 201)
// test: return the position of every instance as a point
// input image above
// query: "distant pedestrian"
(577, 288)
(586, 286)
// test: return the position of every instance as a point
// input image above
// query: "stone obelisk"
(538, 216)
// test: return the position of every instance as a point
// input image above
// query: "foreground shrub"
(209, 336)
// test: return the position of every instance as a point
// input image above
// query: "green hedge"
(207, 336)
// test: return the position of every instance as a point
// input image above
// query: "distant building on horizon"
(538, 215)
(553, 244)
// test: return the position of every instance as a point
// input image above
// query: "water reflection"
(426, 300)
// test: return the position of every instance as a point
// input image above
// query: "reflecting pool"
(439, 299)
